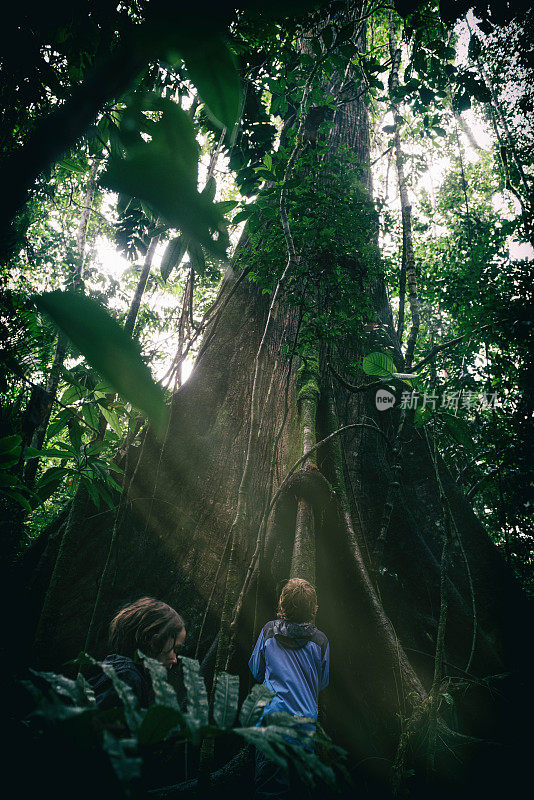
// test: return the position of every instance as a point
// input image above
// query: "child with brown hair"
(148, 625)
(291, 658)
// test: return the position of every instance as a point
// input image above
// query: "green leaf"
(54, 474)
(165, 714)
(114, 467)
(284, 718)
(90, 415)
(378, 364)
(63, 452)
(59, 422)
(10, 459)
(459, 429)
(327, 35)
(103, 388)
(93, 493)
(64, 687)
(345, 33)
(112, 419)
(164, 693)
(18, 497)
(95, 447)
(212, 67)
(316, 47)
(126, 767)
(75, 435)
(226, 205)
(427, 95)
(277, 743)
(32, 452)
(132, 715)
(253, 704)
(421, 416)
(243, 214)
(158, 722)
(462, 100)
(152, 174)
(9, 444)
(197, 699)
(107, 348)
(163, 173)
(196, 257)
(70, 394)
(174, 252)
(311, 768)
(226, 699)
(210, 189)
(86, 690)
(104, 494)
(9, 480)
(53, 709)
(44, 492)
(265, 740)
(70, 164)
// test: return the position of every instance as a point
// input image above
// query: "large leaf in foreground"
(107, 348)
(254, 703)
(212, 67)
(164, 692)
(174, 252)
(163, 173)
(226, 699)
(197, 698)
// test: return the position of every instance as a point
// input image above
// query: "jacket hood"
(293, 635)
(119, 661)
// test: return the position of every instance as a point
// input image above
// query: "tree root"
(227, 779)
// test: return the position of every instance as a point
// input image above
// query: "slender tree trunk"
(408, 258)
(467, 130)
(133, 311)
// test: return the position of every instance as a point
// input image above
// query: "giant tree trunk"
(381, 619)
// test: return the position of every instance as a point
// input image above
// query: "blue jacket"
(292, 660)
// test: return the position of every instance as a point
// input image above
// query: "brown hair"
(146, 625)
(298, 601)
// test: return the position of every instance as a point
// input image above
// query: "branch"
(382, 155)
(476, 486)
(306, 455)
(430, 355)
(350, 386)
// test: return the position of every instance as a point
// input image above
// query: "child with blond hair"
(291, 658)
